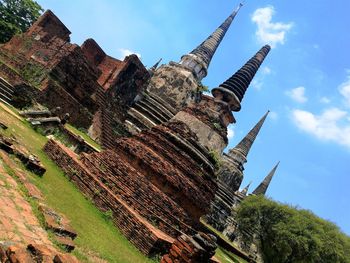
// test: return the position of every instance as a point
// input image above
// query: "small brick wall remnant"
(199, 248)
(135, 228)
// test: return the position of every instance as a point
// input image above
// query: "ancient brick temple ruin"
(163, 140)
(94, 88)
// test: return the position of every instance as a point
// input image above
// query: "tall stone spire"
(246, 143)
(155, 66)
(233, 89)
(199, 59)
(237, 157)
(262, 188)
(153, 69)
(245, 189)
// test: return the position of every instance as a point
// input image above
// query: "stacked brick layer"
(45, 67)
(137, 229)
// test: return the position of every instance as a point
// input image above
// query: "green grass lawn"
(222, 254)
(96, 235)
(84, 135)
(227, 257)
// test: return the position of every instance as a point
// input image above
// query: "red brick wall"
(142, 234)
(93, 52)
(53, 95)
(47, 26)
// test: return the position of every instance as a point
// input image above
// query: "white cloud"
(269, 32)
(258, 81)
(230, 132)
(297, 94)
(126, 52)
(332, 125)
(257, 84)
(266, 70)
(273, 115)
(325, 100)
(344, 90)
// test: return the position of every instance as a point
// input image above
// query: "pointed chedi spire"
(199, 59)
(240, 152)
(246, 143)
(233, 89)
(153, 69)
(245, 189)
(262, 188)
(155, 66)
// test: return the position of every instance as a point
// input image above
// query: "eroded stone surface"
(22, 239)
(198, 248)
(17, 220)
(174, 84)
(31, 162)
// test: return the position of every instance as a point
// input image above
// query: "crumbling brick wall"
(54, 95)
(141, 233)
(48, 26)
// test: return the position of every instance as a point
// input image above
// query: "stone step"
(6, 85)
(161, 108)
(135, 123)
(163, 103)
(4, 98)
(132, 128)
(223, 197)
(141, 118)
(225, 194)
(6, 91)
(146, 112)
(153, 108)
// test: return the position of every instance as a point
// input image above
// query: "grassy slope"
(227, 257)
(95, 234)
(84, 135)
(222, 254)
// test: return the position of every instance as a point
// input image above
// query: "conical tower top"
(155, 66)
(198, 60)
(233, 89)
(262, 188)
(245, 189)
(246, 143)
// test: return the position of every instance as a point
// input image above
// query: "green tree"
(16, 16)
(288, 234)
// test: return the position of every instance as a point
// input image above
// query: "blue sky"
(305, 80)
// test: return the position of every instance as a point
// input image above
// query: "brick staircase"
(6, 91)
(151, 110)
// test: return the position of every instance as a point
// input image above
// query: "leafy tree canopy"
(17, 16)
(289, 234)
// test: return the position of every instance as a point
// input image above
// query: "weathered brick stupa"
(230, 176)
(159, 102)
(165, 175)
